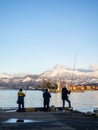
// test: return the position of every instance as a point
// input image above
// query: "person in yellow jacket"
(20, 100)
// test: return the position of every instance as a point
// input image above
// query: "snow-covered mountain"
(7, 75)
(57, 72)
(61, 71)
(79, 76)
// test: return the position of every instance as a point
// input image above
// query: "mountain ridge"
(54, 75)
(57, 72)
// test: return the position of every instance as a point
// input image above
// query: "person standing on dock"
(20, 101)
(46, 96)
(64, 95)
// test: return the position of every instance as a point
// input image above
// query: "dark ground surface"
(67, 120)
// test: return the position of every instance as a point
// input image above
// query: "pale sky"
(35, 35)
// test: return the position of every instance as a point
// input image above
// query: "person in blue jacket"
(46, 96)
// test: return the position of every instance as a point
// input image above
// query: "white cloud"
(94, 67)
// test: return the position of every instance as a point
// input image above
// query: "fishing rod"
(26, 88)
(72, 76)
(74, 66)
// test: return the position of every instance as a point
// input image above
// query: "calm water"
(82, 101)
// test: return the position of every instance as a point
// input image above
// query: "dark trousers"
(21, 106)
(46, 105)
(69, 103)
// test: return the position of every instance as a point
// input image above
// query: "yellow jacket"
(21, 94)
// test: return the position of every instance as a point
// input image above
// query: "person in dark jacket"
(20, 100)
(46, 96)
(65, 93)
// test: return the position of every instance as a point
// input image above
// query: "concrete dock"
(57, 120)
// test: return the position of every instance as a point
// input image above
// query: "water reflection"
(56, 99)
(86, 101)
(83, 101)
(15, 120)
